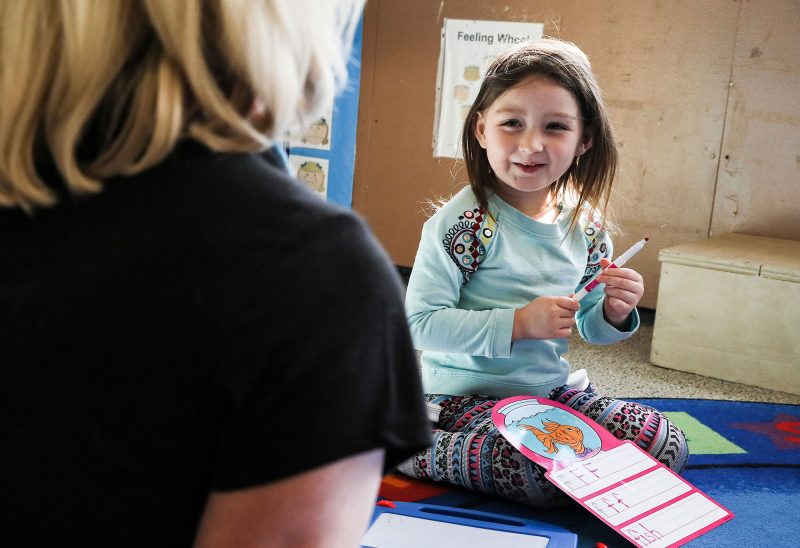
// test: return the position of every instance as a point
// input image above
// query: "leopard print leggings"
(469, 451)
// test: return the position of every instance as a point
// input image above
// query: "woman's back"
(155, 341)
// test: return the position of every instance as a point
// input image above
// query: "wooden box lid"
(774, 258)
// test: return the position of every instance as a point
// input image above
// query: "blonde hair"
(107, 87)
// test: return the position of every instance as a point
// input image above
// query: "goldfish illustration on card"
(544, 432)
(564, 434)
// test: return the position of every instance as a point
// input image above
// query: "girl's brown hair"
(588, 180)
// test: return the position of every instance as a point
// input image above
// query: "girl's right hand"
(545, 318)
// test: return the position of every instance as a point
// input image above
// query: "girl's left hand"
(624, 287)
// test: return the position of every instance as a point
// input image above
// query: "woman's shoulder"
(255, 214)
(246, 187)
(232, 201)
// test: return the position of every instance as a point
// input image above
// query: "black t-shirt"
(206, 325)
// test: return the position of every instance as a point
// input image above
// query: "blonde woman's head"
(107, 87)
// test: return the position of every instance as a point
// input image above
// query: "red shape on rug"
(784, 430)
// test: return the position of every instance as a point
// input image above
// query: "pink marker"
(621, 260)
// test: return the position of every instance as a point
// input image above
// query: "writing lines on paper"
(589, 476)
(636, 497)
(675, 522)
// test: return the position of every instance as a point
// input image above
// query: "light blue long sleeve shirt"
(471, 273)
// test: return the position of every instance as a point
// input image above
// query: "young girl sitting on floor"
(490, 300)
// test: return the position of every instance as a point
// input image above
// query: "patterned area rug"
(744, 455)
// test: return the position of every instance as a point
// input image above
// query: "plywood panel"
(665, 68)
(759, 179)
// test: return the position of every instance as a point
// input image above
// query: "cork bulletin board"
(694, 108)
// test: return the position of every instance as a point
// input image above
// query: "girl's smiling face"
(531, 134)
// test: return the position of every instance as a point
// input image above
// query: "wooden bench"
(729, 307)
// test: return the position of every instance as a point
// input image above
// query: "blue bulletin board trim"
(341, 156)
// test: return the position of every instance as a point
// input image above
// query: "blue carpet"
(744, 455)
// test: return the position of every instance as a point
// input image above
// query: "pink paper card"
(633, 493)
